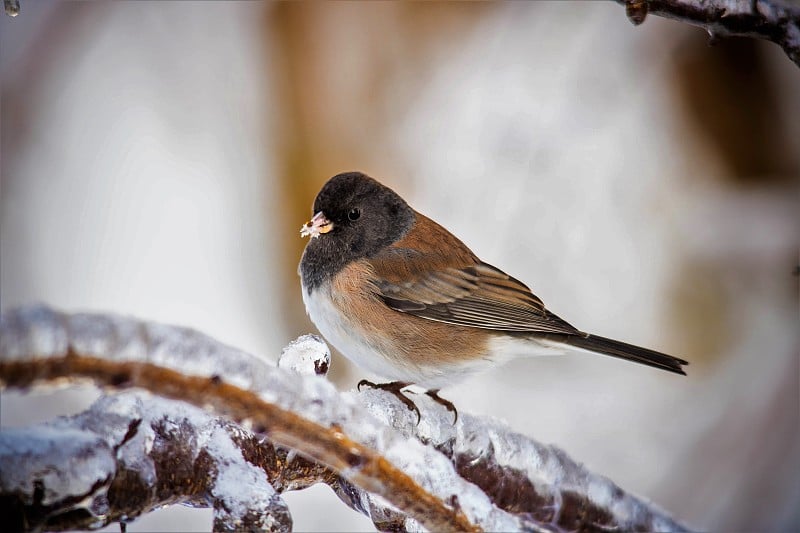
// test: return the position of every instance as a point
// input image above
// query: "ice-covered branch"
(131, 453)
(474, 475)
(307, 414)
(774, 20)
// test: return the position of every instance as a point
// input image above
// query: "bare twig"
(518, 484)
(773, 20)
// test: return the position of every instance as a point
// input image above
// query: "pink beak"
(317, 225)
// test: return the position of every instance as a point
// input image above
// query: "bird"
(403, 298)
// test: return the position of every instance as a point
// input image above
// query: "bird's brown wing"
(433, 275)
(478, 296)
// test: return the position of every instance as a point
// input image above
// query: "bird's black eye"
(354, 213)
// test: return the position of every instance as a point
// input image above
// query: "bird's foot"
(434, 394)
(396, 388)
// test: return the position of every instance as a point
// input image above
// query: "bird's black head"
(364, 218)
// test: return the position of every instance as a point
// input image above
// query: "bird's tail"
(637, 354)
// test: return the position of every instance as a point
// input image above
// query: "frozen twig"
(11, 7)
(474, 475)
(774, 20)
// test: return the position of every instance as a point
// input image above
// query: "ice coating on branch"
(49, 462)
(241, 490)
(132, 444)
(518, 473)
(435, 471)
(39, 331)
(32, 332)
(307, 355)
(479, 470)
(201, 355)
(150, 446)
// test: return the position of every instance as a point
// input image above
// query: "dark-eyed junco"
(402, 297)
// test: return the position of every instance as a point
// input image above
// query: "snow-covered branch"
(774, 20)
(282, 431)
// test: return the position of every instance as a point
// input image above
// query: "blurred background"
(158, 159)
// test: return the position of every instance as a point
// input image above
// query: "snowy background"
(158, 160)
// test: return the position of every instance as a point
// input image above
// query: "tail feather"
(637, 354)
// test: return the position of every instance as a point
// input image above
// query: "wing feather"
(476, 295)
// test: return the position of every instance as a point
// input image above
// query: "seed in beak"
(317, 225)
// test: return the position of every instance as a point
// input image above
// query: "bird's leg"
(396, 388)
(434, 394)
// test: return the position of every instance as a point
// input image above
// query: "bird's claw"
(395, 388)
(434, 395)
